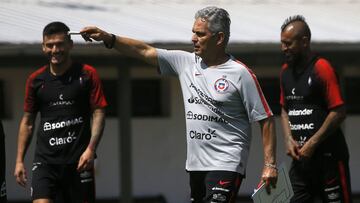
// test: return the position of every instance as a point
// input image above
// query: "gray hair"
(218, 18)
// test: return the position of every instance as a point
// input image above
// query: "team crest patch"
(221, 85)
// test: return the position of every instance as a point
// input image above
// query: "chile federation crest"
(221, 85)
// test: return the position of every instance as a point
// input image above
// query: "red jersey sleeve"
(282, 98)
(97, 98)
(30, 102)
(328, 77)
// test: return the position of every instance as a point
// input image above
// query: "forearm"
(269, 140)
(127, 46)
(137, 49)
(24, 136)
(97, 128)
(285, 125)
(331, 123)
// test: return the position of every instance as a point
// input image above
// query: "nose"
(194, 38)
(54, 48)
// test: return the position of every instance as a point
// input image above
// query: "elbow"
(341, 114)
(268, 123)
(271, 121)
(30, 128)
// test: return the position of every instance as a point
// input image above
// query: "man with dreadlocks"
(312, 111)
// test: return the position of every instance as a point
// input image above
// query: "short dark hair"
(56, 27)
(297, 18)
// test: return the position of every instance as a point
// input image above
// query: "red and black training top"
(65, 104)
(308, 97)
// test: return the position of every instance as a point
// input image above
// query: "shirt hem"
(232, 169)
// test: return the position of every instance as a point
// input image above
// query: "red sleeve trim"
(282, 94)
(97, 97)
(30, 94)
(261, 95)
(328, 77)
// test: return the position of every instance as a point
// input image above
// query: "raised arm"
(269, 173)
(127, 46)
(98, 123)
(24, 138)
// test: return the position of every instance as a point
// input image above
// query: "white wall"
(158, 148)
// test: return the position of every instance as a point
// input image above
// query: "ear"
(305, 41)
(220, 38)
(43, 47)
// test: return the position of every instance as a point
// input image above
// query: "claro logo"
(55, 141)
(57, 125)
(202, 135)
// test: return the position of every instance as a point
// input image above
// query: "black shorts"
(2, 166)
(323, 177)
(214, 186)
(62, 183)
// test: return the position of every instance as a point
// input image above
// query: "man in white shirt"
(221, 97)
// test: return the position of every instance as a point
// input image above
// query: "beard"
(293, 59)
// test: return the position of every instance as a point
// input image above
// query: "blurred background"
(142, 154)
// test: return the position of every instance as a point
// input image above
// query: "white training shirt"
(220, 103)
